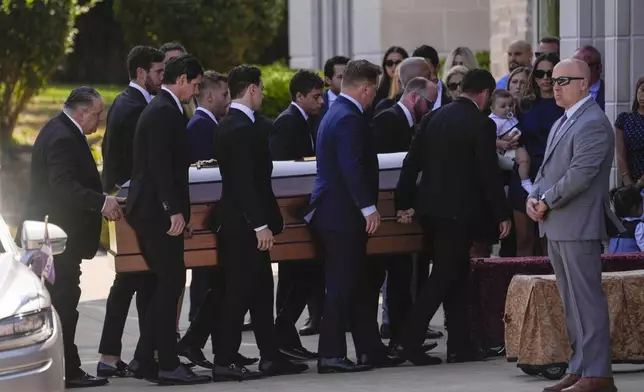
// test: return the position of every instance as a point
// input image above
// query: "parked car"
(31, 342)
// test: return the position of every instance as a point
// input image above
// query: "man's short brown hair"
(212, 79)
(360, 71)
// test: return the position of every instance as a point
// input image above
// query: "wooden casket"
(292, 184)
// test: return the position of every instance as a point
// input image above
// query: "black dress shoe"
(311, 327)
(433, 334)
(241, 360)
(417, 357)
(233, 373)
(340, 365)
(182, 375)
(148, 371)
(120, 370)
(380, 360)
(80, 379)
(298, 354)
(281, 367)
(385, 331)
(195, 355)
(429, 346)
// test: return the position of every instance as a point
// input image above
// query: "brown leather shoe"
(593, 384)
(566, 382)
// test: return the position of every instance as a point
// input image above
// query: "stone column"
(510, 20)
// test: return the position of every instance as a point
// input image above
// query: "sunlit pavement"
(492, 375)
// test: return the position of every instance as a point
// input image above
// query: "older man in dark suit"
(451, 205)
(145, 67)
(65, 185)
(158, 209)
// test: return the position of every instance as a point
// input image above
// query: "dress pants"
(578, 269)
(398, 271)
(298, 282)
(201, 282)
(118, 306)
(65, 294)
(448, 242)
(205, 322)
(348, 293)
(249, 286)
(164, 256)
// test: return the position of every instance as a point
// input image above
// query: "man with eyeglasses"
(570, 201)
(393, 130)
(591, 56)
(547, 45)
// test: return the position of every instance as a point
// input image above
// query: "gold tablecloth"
(535, 332)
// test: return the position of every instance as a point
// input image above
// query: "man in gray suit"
(570, 202)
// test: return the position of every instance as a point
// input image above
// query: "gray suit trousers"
(578, 267)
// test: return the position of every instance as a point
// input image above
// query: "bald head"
(519, 55)
(571, 82)
(413, 67)
(419, 97)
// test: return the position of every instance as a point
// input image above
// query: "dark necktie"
(561, 123)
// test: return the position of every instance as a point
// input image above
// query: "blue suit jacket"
(325, 106)
(201, 131)
(347, 169)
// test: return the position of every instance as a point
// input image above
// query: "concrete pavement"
(493, 375)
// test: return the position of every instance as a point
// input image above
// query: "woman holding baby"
(536, 111)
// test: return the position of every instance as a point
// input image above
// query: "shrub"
(276, 78)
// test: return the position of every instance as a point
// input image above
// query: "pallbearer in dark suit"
(457, 192)
(333, 73)
(65, 185)
(145, 68)
(248, 215)
(343, 214)
(393, 131)
(214, 100)
(158, 209)
(299, 282)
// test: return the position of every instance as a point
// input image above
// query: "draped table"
(490, 279)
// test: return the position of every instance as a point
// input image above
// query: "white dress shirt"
(332, 97)
(410, 119)
(571, 111)
(439, 97)
(146, 94)
(175, 98)
(209, 113)
(371, 209)
(83, 133)
(248, 112)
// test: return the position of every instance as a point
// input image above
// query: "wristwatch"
(543, 200)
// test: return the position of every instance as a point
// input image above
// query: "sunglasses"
(540, 73)
(537, 54)
(564, 80)
(453, 86)
(391, 63)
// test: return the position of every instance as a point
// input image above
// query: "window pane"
(548, 18)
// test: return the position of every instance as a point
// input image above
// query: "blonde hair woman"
(460, 56)
(452, 80)
(394, 88)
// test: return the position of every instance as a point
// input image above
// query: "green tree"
(36, 37)
(221, 33)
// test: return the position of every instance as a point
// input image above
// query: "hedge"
(276, 79)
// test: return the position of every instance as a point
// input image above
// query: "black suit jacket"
(65, 185)
(118, 141)
(247, 199)
(159, 186)
(391, 131)
(455, 151)
(201, 131)
(291, 137)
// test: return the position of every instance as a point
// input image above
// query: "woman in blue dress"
(629, 139)
(537, 112)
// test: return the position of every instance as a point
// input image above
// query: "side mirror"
(33, 236)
